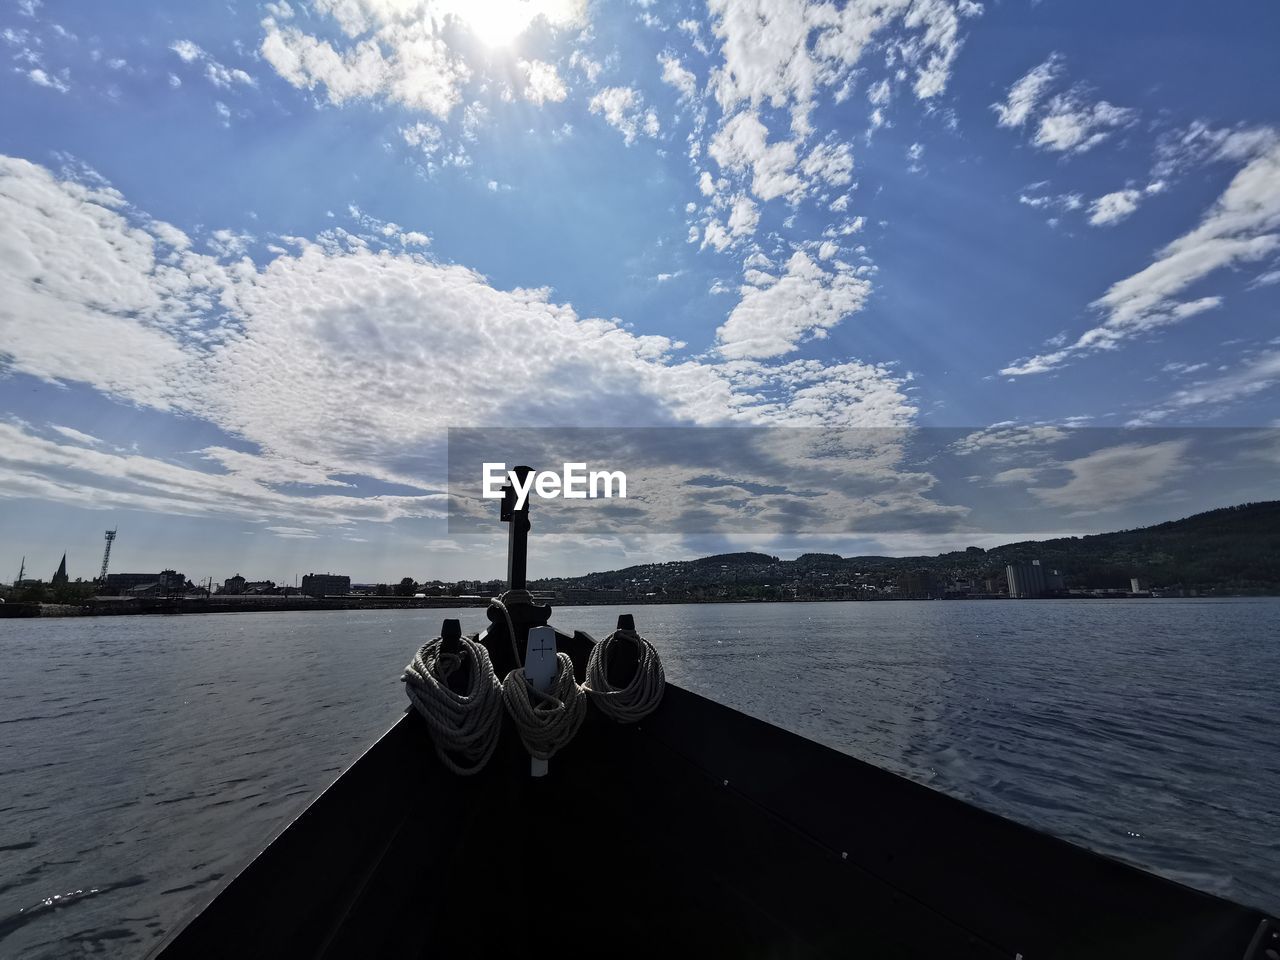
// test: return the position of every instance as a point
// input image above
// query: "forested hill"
(1230, 550)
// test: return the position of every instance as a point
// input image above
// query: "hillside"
(1233, 550)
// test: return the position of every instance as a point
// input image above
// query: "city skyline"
(1050, 579)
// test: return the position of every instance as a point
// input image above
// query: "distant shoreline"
(18, 610)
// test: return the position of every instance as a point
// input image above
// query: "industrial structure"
(106, 555)
(326, 585)
(1027, 581)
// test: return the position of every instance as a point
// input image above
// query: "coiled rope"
(641, 696)
(464, 726)
(546, 722)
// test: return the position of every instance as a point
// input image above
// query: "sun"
(496, 23)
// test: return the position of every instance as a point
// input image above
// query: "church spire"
(61, 575)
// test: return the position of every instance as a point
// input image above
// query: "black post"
(518, 535)
(524, 613)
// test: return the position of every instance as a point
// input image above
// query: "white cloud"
(271, 470)
(743, 216)
(54, 82)
(226, 77)
(1027, 92)
(293, 533)
(915, 153)
(1061, 201)
(694, 29)
(1001, 437)
(1117, 475)
(541, 82)
(1111, 208)
(591, 69)
(69, 256)
(1067, 122)
(1255, 375)
(782, 53)
(813, 393)
(714, 235)
(846, 227)
(676, 75)
(829, 163)
(141, 317)
(396, 49)
(1242, 226)
(1019, 475)
(427, 136)
(804, 303)
(405, 63)
(97, 479)
(742, 144)
(75, 435)
(623, 108)
(188, 51)
(1071, 125)
(221, 76)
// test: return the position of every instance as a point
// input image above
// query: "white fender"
(540, 667)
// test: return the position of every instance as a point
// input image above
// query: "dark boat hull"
(701, 831)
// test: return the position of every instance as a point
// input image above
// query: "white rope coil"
(464, 726)
(546, 722)
(641, 696)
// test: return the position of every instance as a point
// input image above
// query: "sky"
(257, 259)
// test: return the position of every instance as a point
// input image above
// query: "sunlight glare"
(497, 23)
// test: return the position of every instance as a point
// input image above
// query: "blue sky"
(254, 261)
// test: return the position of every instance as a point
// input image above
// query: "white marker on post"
(540, 668)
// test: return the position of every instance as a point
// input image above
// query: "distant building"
(326, 585)
(919, 585)
(166, 581)
(591, 595)
(61, 575)
(233, 585)
(1026, 580)
(1136, 585)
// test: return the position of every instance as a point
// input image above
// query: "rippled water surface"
(142, 759)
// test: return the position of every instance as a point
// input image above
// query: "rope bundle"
(641, 696)
(552, 721)
(463, 725)
(545, 721)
